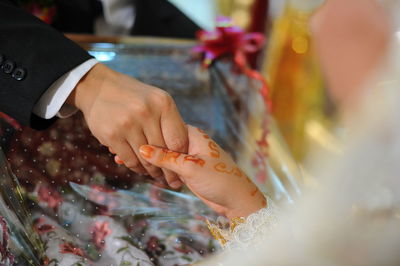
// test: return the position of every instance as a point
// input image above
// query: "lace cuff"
(239, 233)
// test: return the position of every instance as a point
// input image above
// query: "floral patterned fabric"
(6, 257)
(89, 211)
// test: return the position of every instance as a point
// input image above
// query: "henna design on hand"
(147, 152)
(222, 168)
(201, 131)
(195, 160)
(253, 193)
(214, 149)
(264, 203)
(238, 172)
(204, 133)
(170, 155)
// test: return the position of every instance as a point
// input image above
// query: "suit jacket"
(33, 55)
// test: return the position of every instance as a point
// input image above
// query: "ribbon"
(228, 39)
(10, 121)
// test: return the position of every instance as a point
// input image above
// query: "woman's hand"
(211, 174)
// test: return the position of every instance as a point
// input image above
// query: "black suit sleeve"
(33, 55)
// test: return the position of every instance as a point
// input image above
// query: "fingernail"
(146, 151)
(118, 160)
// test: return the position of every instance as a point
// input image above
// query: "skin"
(124, 114)
(214, 149)
(216, 180)
(351, 38)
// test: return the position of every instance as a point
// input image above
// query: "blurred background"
(301, 106)
(152, 40)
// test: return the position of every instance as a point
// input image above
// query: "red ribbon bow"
(228, 39)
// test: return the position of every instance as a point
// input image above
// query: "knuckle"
(169, 174)
(103, 141)
(171, 177)
(178, 144)
(161, 99)
(158, 158)
(153, 170)
(149, 166)
(132, 164)
(109, 134)
(156, 173)
(138, 170)
(141, 109)
(125, 121)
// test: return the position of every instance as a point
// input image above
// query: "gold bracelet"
(221, 233)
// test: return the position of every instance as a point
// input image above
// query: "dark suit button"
(19, 73)
(1, 58)
(8, 66)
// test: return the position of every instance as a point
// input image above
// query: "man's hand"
(124, 114)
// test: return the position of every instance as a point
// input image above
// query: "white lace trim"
(254, 229)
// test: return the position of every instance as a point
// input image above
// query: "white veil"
(354, 217)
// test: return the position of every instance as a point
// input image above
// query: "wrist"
(246, 208)
(85, 92)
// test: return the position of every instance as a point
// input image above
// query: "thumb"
(180, 163)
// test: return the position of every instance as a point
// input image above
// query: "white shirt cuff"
(52, 102)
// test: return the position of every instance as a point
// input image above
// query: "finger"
(174, 130)
(127, 156)
(139, 170)
(118, 160)
(182, 164)
(154, 137)
(135, 141)
(199, 140)
(201, 143)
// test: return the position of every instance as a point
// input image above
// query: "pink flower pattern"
(41, 228)
(7, 258)
(72, 249)
(49, 196)
(100, 231)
